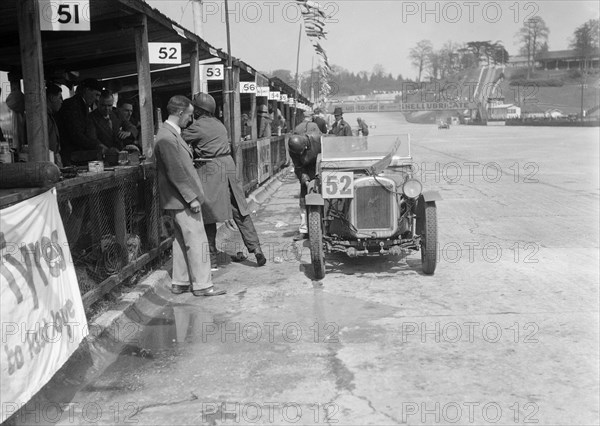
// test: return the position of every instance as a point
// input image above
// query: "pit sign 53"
(213, 72)
(337, 184)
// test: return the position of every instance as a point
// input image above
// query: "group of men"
(199, 186)
(79, 133)
(304, 147)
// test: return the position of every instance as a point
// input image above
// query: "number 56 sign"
(337, 184)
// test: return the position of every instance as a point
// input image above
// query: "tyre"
(315, 238)
(427, 229)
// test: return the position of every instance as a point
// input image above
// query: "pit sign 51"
(337, 184)
(64, 15)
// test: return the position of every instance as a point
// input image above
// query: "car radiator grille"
(373, 208)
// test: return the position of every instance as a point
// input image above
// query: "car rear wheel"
(427, 229)
(315, 237)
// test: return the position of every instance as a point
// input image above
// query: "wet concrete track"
(505, 332)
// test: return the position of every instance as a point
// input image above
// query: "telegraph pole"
(198, 30)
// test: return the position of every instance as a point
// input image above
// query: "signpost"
(64, 15)
(164, 53)
(212, 72)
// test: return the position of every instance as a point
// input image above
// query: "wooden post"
(195, 70)
(253, 116)
(237, 121)
(140, 33)
(30, 42)
(226, 107)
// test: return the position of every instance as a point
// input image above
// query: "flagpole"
(312, 88)
(297, 81)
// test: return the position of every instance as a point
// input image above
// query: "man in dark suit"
(340, 127)
(225, 195)
(181, 196)
(104, 125)
(76, 145)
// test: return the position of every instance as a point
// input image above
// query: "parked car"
(365, 200)
(443, 125)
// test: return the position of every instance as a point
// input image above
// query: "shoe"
(211, 291)
(178, 289)
(261, 260)
(214, 268)
(300, 236)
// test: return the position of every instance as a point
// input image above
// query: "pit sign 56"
(337, 184)
(247, 87)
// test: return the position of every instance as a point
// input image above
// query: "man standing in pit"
(217, 170)
(181, 195)
(340, 127)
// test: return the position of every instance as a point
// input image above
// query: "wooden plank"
(253, 116)
(145, 87)
(111, 282)
(30, 42)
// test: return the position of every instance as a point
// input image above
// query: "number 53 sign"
(337, 184)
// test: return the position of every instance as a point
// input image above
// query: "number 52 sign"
(164, 53)
(337, 184)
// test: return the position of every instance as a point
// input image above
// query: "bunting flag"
(314, 17)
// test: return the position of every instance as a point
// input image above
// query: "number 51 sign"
(64, 15)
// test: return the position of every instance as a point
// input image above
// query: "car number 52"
(338, 184)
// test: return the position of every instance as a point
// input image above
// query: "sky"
(363, 33)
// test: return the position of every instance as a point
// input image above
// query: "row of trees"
(453, 57)
(532, 38)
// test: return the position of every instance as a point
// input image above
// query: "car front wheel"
(315, 236)
(427, 229)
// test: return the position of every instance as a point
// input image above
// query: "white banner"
(41, 312)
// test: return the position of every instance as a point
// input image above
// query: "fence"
(113, 226)
(262, 159)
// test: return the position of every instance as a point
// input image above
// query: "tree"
(499, 55)
(419, 55)
(532, 35)
(285, 76)
(585, 40)
(479, 49)
(434, 64)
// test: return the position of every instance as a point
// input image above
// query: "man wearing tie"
(104, 125)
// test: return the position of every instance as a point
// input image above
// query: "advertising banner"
(41, 311)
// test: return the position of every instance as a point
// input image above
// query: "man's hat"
(338, 111)
(93, 84)
(16, 101)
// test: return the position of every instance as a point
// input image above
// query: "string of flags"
(314, 17)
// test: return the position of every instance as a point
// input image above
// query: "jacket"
(208, 139)
(178, 182)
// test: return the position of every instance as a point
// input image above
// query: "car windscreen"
(344, 148)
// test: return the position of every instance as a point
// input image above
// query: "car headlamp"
(412, 188)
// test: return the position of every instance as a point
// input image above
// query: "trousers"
(191, 261)
(244, 224)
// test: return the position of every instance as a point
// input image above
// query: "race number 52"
(337, 184)
(64, 15)
(164, 53)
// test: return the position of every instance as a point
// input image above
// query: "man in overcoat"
(181, 196)
(217, 171)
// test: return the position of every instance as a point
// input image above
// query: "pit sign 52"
(337, 184)
(164, 53)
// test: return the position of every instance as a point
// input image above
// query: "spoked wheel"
(315, 237)
(427, 229)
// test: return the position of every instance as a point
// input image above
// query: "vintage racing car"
(365, 200)
(443, 125)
